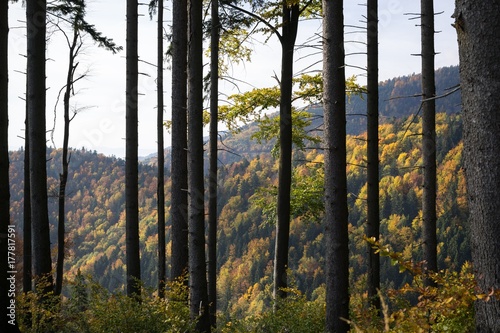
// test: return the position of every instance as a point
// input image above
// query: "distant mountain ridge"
(399, 98)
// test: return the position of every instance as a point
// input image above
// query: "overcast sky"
(100, 125)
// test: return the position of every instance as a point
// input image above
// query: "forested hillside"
(247, 186)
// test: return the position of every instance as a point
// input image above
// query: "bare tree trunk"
(196, 206)
(212, 204)
(36, 27)
(179, 196)
(336, 213)
(161, 159)
(373, 223)
(131, 154)
(477, 26)
(7, 266)
(290, 21)
(27, 251)
(429, 137)
(63, 176)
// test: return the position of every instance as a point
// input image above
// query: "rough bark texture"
(373, 222)
(477, 24)
(36, 26)
(131, 152)
(336, 213)
(290, 21)
(179, 197)
(161, 157)
(196, 206)
(7, 323)
(428, 138)
(27, 239)
(212, 203)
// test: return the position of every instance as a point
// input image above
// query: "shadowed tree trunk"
(196, 207)
(179, 196)
(290, 22)
(212, 203)
(27, 251)
(36, 27)
(477, 26)
(429, 137)
(336, 213)
(161, 158)
(131, 152)
(373, 223)
(7, 323)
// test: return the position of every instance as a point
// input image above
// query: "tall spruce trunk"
(161, 157)
(290, 22)
(27, 239)
(373, 214)
(179, 196)
(212, 199)
(428, 138)
(477, 24)
(7, 323)
(36, 27)
(336, 213)
(196, 203)
(131, 154)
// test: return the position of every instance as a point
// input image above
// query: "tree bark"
(7, 323)
(27, 239)
(131, 154)
(373, 214)
(336, 213)
(63, 176)
(196, 206)
(161, 158)
(290, 22)
(428, 138)
(179, 196)
(477, 25)
(212, 203)
(36, 27)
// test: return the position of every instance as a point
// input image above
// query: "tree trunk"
(196, 207)
(289, 33)
(161, 159)
(477, 26)
(373, 223)
(36, 27)
(428, 138)
(8, 323)
(336, 213)
(131, 152)
(27, 251)
(212, 203)
(63, 176)
(179, 196)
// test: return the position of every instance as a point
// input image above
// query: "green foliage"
(445, 307)
(293, 314)
(93, 309)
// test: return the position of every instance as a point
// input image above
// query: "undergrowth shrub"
(90, 308)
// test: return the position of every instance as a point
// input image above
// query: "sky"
(100, 97)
